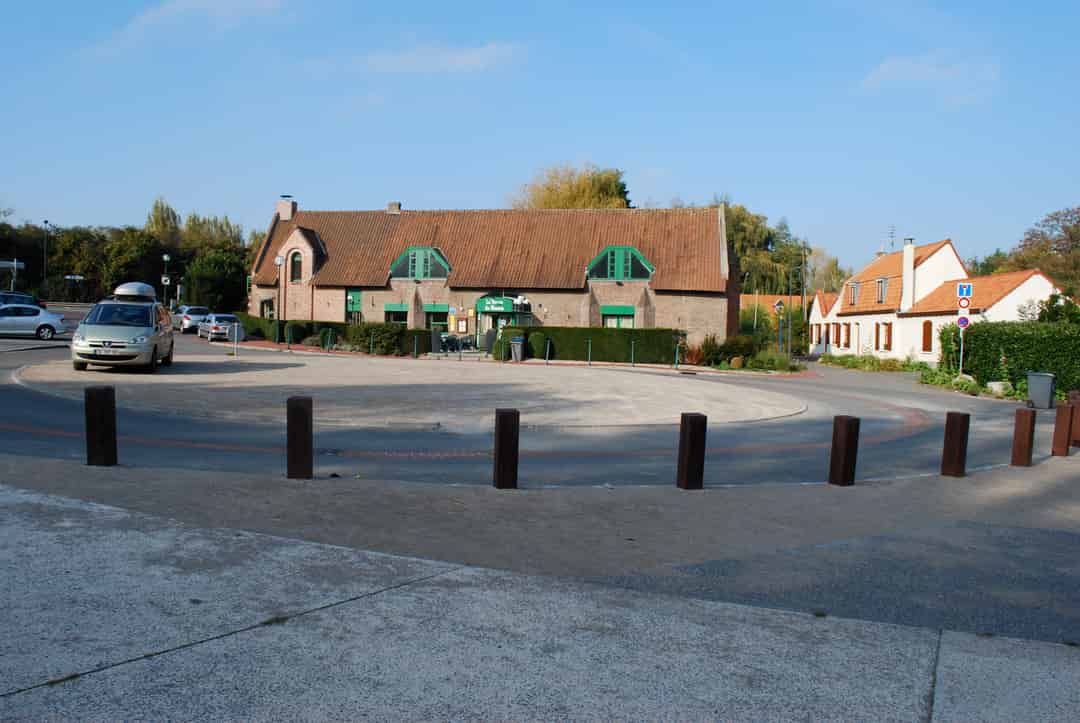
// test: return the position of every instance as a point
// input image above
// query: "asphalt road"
(902, 429)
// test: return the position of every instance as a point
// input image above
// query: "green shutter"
(395, 307)
(437, 307)
(353, 300)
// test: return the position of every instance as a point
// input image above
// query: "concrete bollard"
(845, 449)
(954, 450)
(100, 407)
(1063, 423)
(1023, 438)
(507, 430)
(691, 470)
(300, 438)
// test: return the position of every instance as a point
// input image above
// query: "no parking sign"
(963, 322)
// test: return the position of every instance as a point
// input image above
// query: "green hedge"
(389, 339)
(650, 346)
(1007, 350)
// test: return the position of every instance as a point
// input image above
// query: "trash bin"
(517, 348)
(1041, 389)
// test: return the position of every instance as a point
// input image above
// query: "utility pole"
(45, 261)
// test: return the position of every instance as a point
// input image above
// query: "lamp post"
(166, 258)
(45, 261)
(279, 311)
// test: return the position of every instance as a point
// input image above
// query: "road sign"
(165, 281)
(75, 277)
(17, 265)
(963, 311)
(964, 302)
(963, 322)
(964, 290)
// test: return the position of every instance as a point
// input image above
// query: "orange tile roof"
(825, 301)
(988, 291)
(890, 268)
(537, 249)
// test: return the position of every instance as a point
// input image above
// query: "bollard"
(589, 344)
(371, 348)
(415, 342)
(1075, 442)
(954, 451)
(691, 470)
(507, 429)
(1063, 430)
(100, 403)
(547, 351)
(300, 443)
(631, 352)
(845, 450)
(676, 356)
(1023, 438)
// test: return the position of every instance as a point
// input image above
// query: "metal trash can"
(1041, 389)
(517, 348)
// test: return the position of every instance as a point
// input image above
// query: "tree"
(130, 254)
(1053, 246)
(987, 265)
(825, 271)
(163, 223)
(201, 232)
(216, 278)
(1059, 309)
(569, 187)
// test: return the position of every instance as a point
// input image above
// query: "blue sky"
(846, 117)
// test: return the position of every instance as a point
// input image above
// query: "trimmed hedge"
(650, 346)
(1007, 350)
(389, 339)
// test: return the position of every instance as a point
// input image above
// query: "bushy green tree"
(163, 223)
(569, 187)
(216, 278)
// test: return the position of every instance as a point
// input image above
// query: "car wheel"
(167, 361)
(45, 332)
(79, 366)
(153, 365)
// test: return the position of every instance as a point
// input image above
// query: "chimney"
(394, 207)
(907, 281)
(286, 208)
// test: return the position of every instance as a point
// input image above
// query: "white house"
(819, 322)
(895, 307)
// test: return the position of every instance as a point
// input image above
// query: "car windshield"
(198, 310)
(119, 315)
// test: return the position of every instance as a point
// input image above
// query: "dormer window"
(853, 293)
(620, 263)
(420, 262)
(296, 267)
(882, 290)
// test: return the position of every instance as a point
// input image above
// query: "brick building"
(471, 271)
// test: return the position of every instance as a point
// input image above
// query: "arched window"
(420, 262)
(619, 263)
(296, 266)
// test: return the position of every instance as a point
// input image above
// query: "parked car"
(18, 297)
(130, 328)
(218, 326)
(187, 318)
(30, 320)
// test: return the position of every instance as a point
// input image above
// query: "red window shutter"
(888, 337)
(927, 336)
(877, 337)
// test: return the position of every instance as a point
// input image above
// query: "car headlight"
(138, 340)
(79, 337)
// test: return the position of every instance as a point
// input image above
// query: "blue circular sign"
(963, 322)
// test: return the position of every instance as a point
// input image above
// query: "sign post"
(964, 292)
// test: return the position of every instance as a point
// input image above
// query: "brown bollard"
(845, 448)
(1075, 436)
(100, 403)
(1023, 438)
(954, 451)
(299, 438)
(1063, 430)
(691, 470)
(507, 431)
(1074, 396)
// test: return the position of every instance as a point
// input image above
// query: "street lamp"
(279, 311)
(164, 279)
(45, 261)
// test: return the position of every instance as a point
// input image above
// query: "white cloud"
(955, 80)
(216, 13)
(434, 59)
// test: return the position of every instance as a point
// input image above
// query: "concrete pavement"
(120, 615)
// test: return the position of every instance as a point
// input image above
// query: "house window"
(620, 263)
(266, 308)
(296, 267)
(396, 317)
(836, 334)
(420, 262)
(847, 336)
(617, 317)
(927, 336)
(882, 289)
(437, 320)
(853, 293)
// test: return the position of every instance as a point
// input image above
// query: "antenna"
(892, 237)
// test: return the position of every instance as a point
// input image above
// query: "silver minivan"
(130, 328)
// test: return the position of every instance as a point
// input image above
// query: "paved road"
(901, 436)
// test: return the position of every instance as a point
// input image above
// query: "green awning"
(616, 310)
(395, 307)
(437, 307)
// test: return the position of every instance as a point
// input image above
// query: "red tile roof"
(825, 300)
(987, 291)
(537, 249)
(890, 268)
